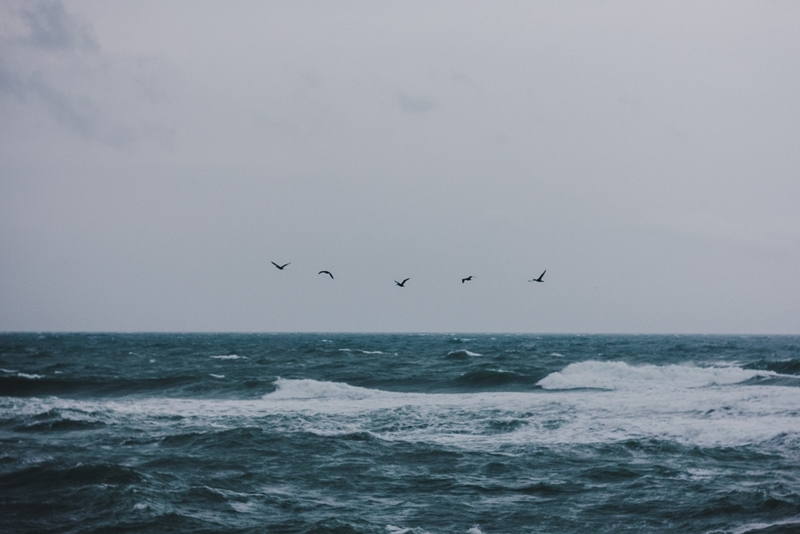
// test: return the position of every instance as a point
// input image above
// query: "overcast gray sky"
(155, 157)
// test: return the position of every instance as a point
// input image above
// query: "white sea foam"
(705, 406)
(620, 375)
(315, 389)
(216, 376)
(228, 357)
(463, 351)
(751, 527)
(243, 507)
(8, 371)
(391, 529)
(345, 350)
(372, 352)
(30, 377)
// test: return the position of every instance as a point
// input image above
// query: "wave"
(629, 407)
(459, 354)
(493, 377)
(784, 367)
(620, 376)
(23, 375)
(22, 384)
(51, 475)
(315, 389)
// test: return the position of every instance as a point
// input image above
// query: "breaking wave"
(621, 376)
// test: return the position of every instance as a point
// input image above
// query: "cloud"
(414, 103)
(50, 26)
(50, 61)
(79, 115)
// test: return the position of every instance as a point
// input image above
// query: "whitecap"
(228, 357)
(729, 416)
(216, 376)
(372, 352)
(315, 389)
(463, 352)
(557, 354)
(243, 507)
(391, 529)
(621, 376)
(750, 527)
(345, 350)
(9, 371)
(30, 377)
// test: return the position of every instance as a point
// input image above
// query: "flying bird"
(540, 277)
(326, 272)
(279, 266)
(403, 283)
(467, 279)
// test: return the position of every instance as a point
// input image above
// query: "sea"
(399, 433)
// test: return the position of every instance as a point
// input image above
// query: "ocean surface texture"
(394, 434)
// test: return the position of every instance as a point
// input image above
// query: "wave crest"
(619, 375)
(315, 389)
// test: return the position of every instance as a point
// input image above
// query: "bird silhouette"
(326, 272)
(540, 277)
(467, 279)
(403, 283)
(280, 266)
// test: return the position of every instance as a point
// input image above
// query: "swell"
(484, 379)
(23, 386)
(783, 367)
(47, 475)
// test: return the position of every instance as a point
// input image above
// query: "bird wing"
(541, 275)
(406, 280)
(275, 264)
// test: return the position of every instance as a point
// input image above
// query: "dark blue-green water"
(399, 434)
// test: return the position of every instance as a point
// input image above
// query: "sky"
(156, 157)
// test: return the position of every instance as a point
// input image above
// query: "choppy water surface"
(399, 433)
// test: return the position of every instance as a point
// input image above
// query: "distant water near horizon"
(399, 433)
